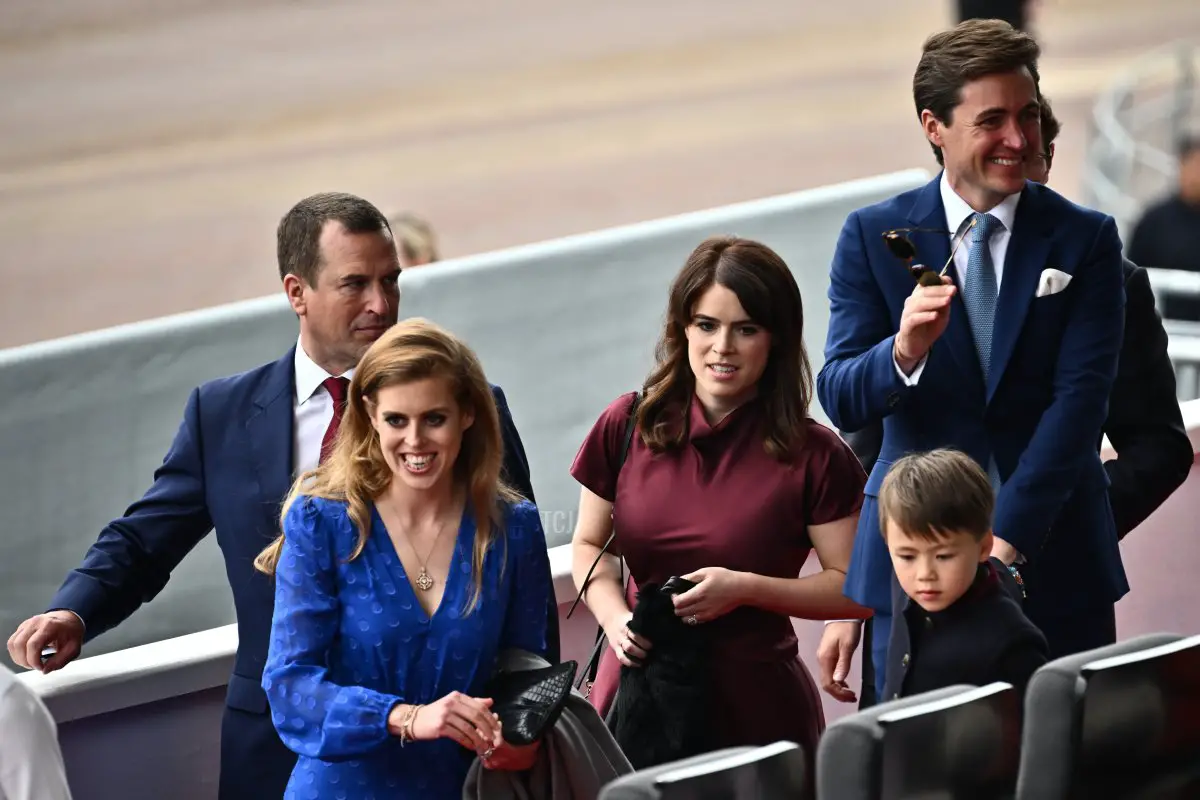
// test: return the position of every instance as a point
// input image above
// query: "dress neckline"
(699, 427)
(387, 548)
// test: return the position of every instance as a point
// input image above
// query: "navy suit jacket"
(1145, 424)
(1039, 413)
(229, 469)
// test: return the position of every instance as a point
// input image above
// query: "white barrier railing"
(564, 326)
(1184, 352)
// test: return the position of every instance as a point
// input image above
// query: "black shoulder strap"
(630, 427)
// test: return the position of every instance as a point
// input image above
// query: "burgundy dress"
(723, 501)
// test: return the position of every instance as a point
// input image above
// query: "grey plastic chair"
(740, 773)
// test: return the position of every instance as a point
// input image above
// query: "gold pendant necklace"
(424, 581)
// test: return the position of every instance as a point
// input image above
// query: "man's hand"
(925, 317)
(837, 647)
(1003, 551)
(60, 629)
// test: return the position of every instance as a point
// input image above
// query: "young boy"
(957, 620)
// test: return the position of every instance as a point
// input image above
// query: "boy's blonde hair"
(935, 494)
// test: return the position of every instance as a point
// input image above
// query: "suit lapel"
(269, 429)
(934, 249)
(1023, 263)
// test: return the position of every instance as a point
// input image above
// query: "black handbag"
(593, 662)
(530, 701)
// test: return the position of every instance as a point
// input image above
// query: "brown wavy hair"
(355, 471)
(768, 292)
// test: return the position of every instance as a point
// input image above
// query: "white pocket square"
(1052, 281)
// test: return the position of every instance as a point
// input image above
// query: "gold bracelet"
(406, 732)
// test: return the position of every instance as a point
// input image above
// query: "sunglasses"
(899, 245)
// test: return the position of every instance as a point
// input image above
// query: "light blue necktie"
(979, 297)
(979, 288)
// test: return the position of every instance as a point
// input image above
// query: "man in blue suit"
(1009, 357)
(242, 442)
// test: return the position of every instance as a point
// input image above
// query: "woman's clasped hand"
(468, 721)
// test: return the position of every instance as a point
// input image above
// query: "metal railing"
(1136, 124)
(1132, 160)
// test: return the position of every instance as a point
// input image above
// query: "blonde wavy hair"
(355, 471)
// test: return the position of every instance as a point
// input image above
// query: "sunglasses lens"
(899, 246)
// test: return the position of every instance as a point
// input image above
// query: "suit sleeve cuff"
(72, 613)
(911, 380)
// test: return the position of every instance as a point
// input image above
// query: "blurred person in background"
(1168, 234)
(242, 440)
(31, 763)
(1144, 423)
(415, 239)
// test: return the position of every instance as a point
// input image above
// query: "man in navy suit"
(242, 442)
(1009, 358)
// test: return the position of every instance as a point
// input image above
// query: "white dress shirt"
(313, 411)
(958, 216)
(31, 763)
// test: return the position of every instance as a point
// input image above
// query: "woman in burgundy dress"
(728, 483)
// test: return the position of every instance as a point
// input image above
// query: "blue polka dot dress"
(349, 641)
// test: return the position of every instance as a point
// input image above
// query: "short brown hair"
(972, 50)
(767, 291)
(932, 495)
(1051, 127)
(298, 238)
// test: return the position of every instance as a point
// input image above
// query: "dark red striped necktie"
(337, 388)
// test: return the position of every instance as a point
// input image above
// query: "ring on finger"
(691, 619)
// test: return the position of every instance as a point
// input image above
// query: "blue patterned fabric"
(349, 641)
(979, 287)
(979, 296)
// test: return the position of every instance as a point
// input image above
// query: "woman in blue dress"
(404, 567)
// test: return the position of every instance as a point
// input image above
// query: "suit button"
(904, 661)
(893, 399)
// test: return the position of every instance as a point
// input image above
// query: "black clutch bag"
(530, 701)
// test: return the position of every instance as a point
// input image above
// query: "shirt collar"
(957, 210)
(309, 376)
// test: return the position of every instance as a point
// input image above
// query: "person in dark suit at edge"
(242, 440)
(1144, 423)
(1144, 426)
